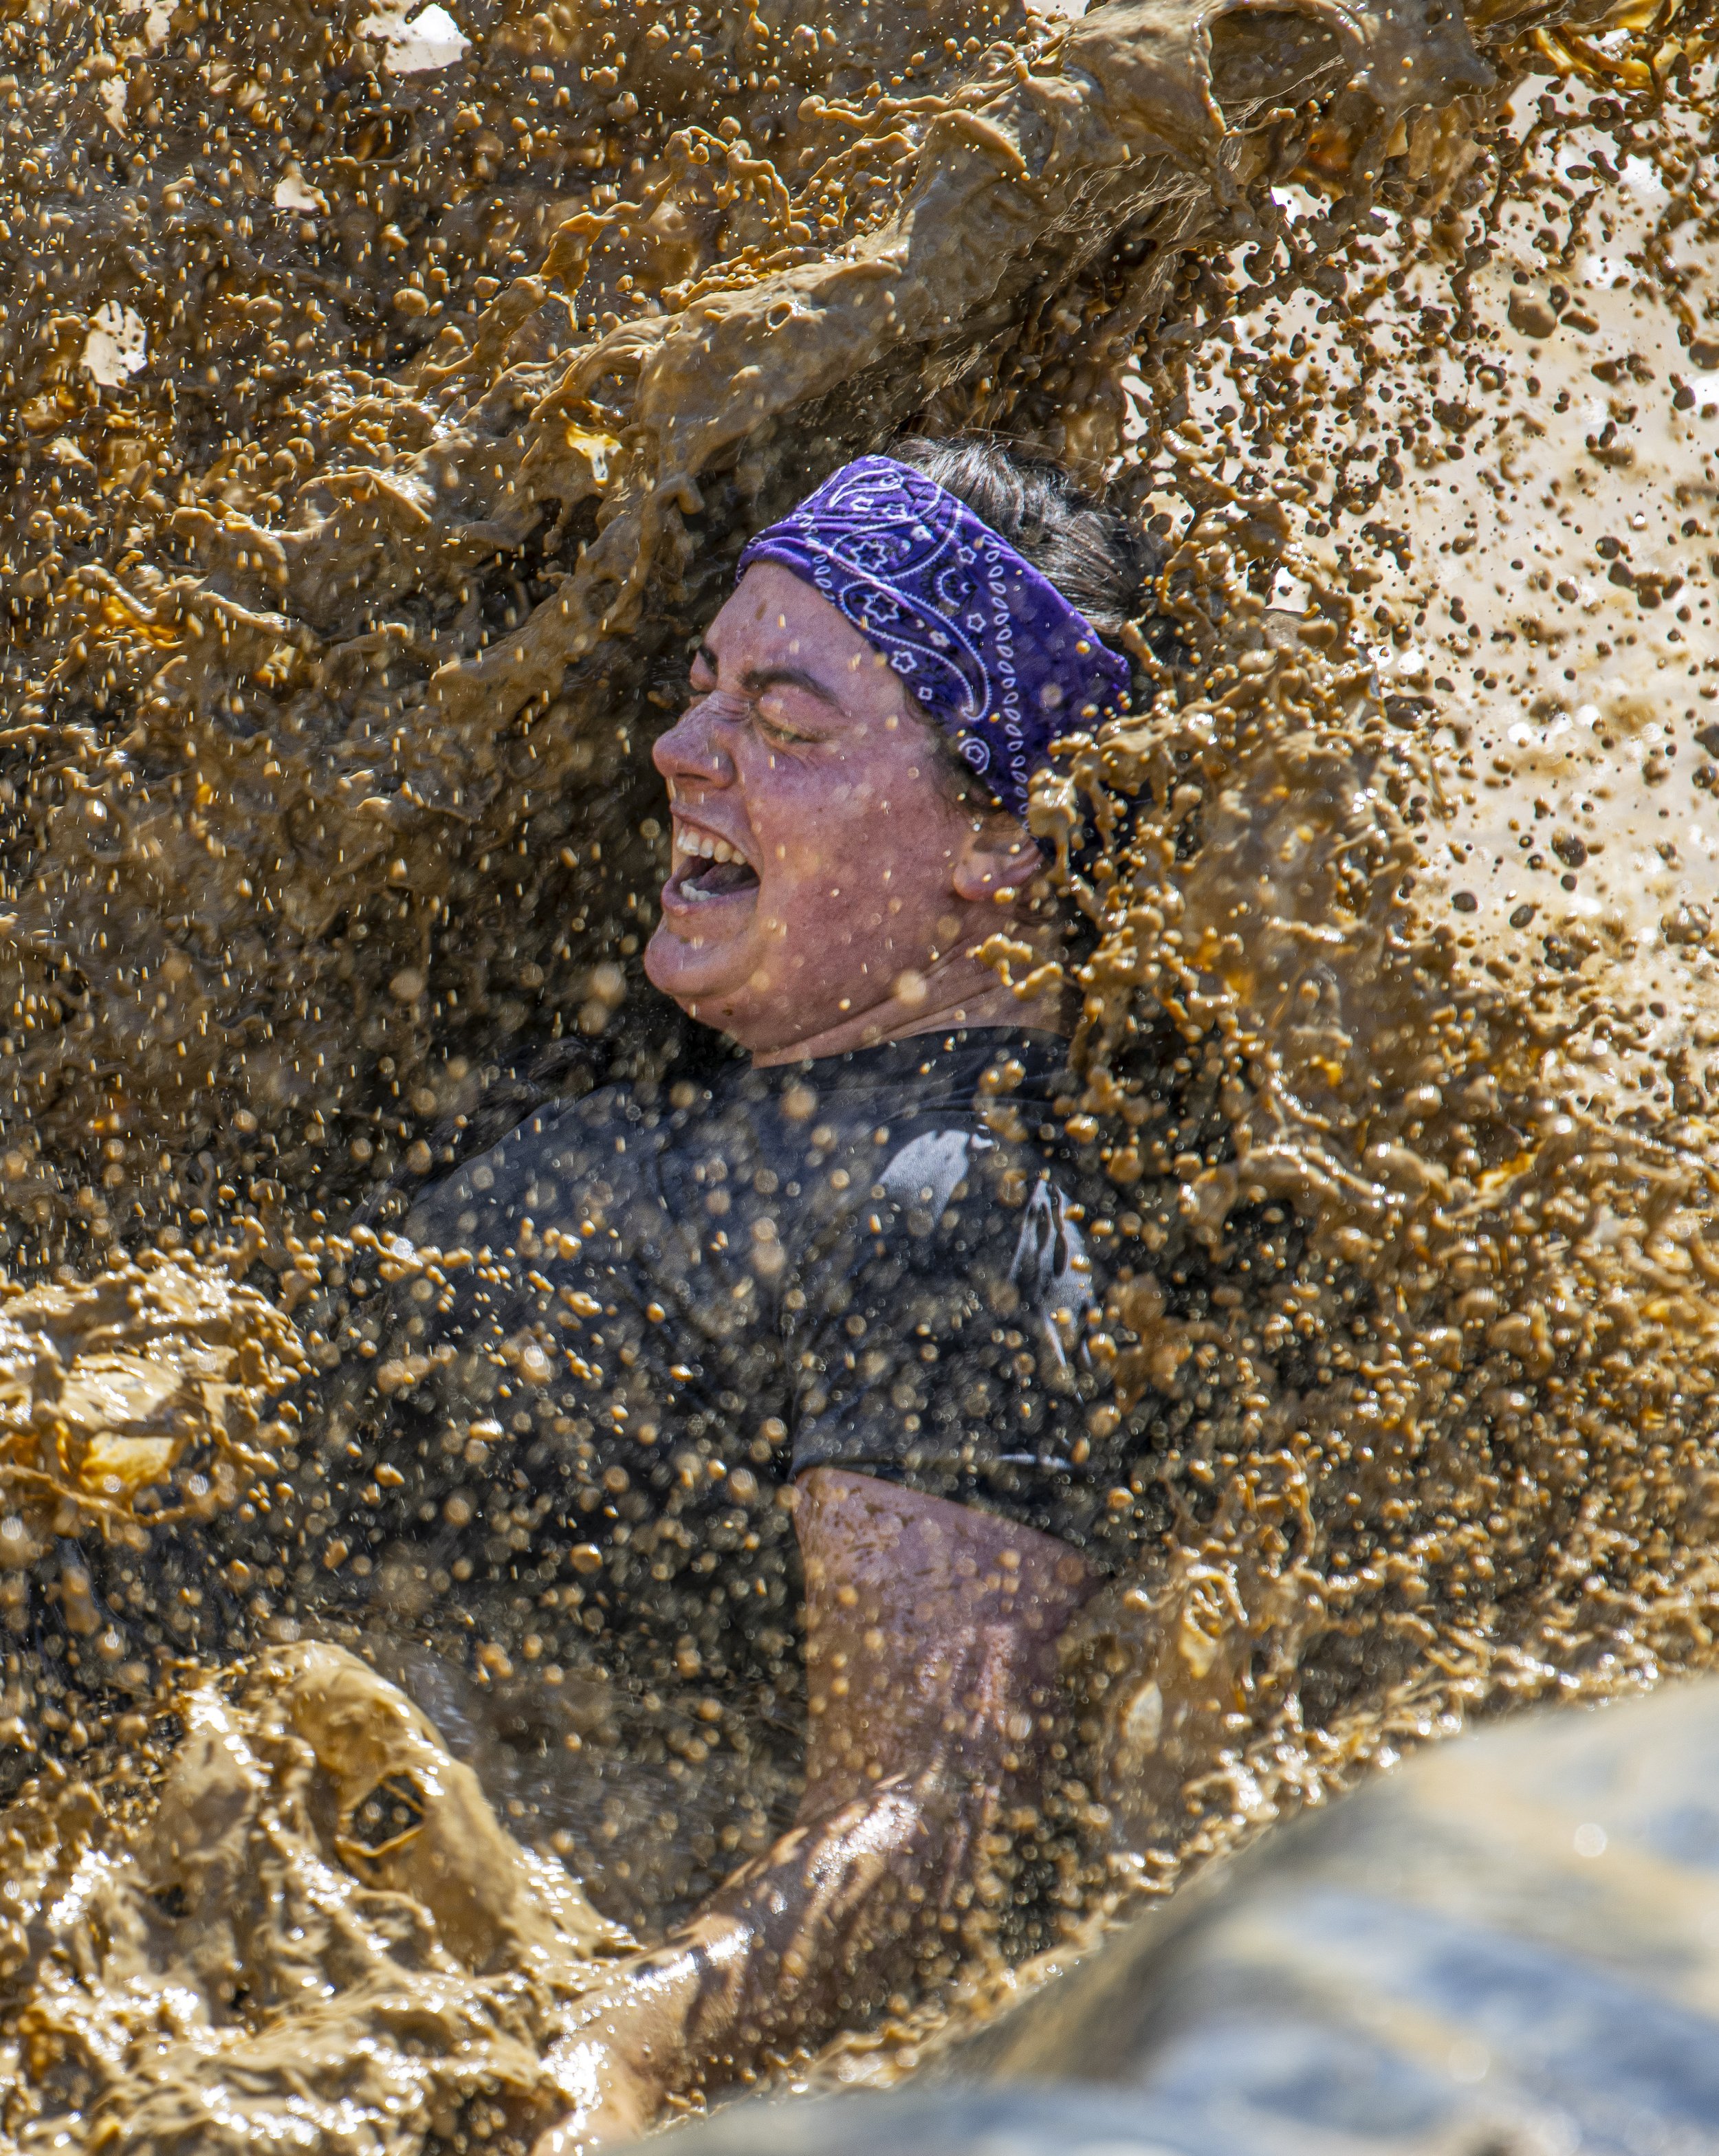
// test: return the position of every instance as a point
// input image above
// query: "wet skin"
(856, 889)
(827, 891)
(931, 1635)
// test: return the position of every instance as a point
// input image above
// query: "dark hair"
(1091, 554)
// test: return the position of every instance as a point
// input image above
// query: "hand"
(627, 2047)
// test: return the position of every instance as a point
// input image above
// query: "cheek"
(883, 878)
(804, 826)
(871, 813)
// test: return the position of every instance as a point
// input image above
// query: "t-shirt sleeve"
(941, 1342)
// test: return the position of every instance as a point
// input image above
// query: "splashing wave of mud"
(314, 1869)
(376, 436)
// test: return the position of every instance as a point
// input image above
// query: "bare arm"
(931, 1653)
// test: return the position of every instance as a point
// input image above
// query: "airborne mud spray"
(385, 404)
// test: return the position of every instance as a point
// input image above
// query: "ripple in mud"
(248, 1960)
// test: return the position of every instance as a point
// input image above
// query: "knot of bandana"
(993, 651)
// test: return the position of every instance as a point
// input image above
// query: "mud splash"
(377, 437)
(313, 1865)
(320, 674)
(144, 1380)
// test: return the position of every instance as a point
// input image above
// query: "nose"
(697, 745)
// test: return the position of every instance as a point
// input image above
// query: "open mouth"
(707, 867)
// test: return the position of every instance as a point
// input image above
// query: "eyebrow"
(758, 679)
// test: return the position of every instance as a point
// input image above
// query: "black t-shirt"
(878, 1261)
(840, 1254)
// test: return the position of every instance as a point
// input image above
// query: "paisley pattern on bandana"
(992, 649)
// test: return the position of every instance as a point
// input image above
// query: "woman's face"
(820, 870)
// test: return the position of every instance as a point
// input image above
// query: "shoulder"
(532, 1165)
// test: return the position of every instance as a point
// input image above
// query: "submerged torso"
(605, 1348)
(669, 1312)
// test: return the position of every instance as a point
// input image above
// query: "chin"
(687, 975)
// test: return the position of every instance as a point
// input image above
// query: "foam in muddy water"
(340, 626)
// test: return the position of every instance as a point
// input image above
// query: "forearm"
(817, 1935)
(931, 1657)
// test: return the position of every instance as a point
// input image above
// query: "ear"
(1000, 857)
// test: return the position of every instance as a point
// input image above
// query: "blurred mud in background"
(385, 404)
(1510, 1946)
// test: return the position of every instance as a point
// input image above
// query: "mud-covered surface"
(318, 1926)
(1511, 1941)
(377, 433)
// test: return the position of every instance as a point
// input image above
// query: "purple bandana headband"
(998, 657)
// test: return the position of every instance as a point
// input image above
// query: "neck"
(958, 991)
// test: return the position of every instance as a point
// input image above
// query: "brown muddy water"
(1508, 1945)
(385, 404)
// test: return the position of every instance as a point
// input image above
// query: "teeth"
(703, 847)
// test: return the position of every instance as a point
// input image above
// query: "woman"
(827, 1266)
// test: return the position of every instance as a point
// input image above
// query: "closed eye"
(772, 724)
(766, 688)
